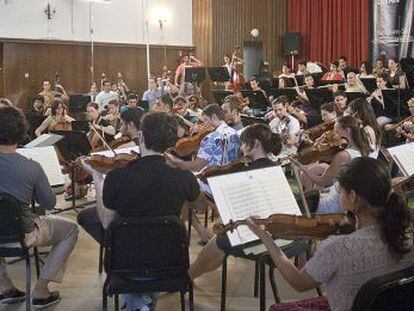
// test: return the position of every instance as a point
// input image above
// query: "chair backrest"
(10, 224)
(153, 247)
(392, 291)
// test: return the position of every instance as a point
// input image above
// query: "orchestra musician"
(382, 243)
(22, 181)
(377, 101)
(286, 72)
(132, 102)
(134, 191)
(343, 66)
(365, 70)
(57, 120)
(112, 114)
(165, 104)
(341, 102)
(406, 130)
(319, 176)
(49, 95)
(380, 66)
(328, 112)
(257, 142)
(187, 60)
(302, 71)
(334, 73)
(285, 125)
(106, 95)
(231, 109)
(255, 85)
(152, 94)
(99, 125)
(231, 63)
(38, 107)
(395, 75)
(353, 84)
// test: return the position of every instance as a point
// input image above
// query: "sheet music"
(404, 157)
(44, 141)
(48, 160)
(260, 193)
(110, 154)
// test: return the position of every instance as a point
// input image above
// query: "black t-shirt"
(148, 187)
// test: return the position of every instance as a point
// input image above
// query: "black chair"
(393, 291)
(147, 255)
(262, 260)
(12, 238)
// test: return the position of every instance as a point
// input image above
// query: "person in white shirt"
(106, 95)
(285, 124)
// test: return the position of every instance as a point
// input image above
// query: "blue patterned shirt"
(212, 146)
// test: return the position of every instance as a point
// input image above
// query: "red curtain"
(331, 28)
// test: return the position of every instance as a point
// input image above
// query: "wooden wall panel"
(72, 60)
(219, 25)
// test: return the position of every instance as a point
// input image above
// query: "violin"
(186, 146)
(233, 167)
(294, 227)
(399, 127)
(316, 131)
(104, 163)
(406, 185)
(323, 150)
(63, 126)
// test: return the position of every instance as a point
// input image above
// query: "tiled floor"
(81, 289)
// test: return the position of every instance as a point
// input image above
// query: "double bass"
(236, 77)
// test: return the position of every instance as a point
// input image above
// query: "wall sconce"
(49, 11)
(161, 15)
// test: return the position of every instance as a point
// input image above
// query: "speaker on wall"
(291, 43)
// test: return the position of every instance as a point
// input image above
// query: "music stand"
(220, 96)
(80, 126)
(78, 103)
(34, 120)
(317, 77)
(369, 83)
(143, 104)
(395, 102)
(73, 145)
(355, 95)
(218, 74)
(300, 79)
(258, 101)
(317, 97)
(289, 93)
(194, 74)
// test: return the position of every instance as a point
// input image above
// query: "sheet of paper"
(48, 160)
(44, 141)
(404, 157)
(259, 193)
(110, 154)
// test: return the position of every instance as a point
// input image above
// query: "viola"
(186, 146)
(232, 167)
(316, 131)
(294, 227)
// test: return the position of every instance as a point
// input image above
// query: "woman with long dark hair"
(381, 244)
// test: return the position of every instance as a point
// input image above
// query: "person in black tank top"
(257, 142)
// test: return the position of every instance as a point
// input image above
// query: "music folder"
(78, 102)
(317, 97)
(259, 193)
(194, 74)
(73, 144)
(289, 93)
(403, 155)
(369, 83)
(218, 74)
(395, 102)
(258, 100)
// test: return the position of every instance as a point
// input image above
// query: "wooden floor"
(81, 289)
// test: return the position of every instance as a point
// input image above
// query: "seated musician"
(165, 104)
(322, 175)
(406, 130)
(285, 125)
(286, 72)
(180, 106)
(132, 101)
(377, 101)
(302, 71)
(341, 102)
(328, 112)
(303, 111)
(257, 142)
(382, 243)
(334, 73)
(380, 66)
(194, 106)
(363, 112)
(105, 95)
(24, 180)
(218, 148)
(57, 120)
(231, 108)
(38, 107)
(365, 70)
(395, 75)
(353, 84)
(103, 127)
(255, 85)
(112, 114)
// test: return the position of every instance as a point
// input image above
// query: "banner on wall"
(392, 28)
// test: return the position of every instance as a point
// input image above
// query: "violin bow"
(102, 139)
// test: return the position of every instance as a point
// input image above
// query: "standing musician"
(187, 60)
(285, 125)
(49, 95)
(24, 180)
(58, 119)
(320, 176)
(134, 191)
(230, 63)
(257, 142)
(382, 243)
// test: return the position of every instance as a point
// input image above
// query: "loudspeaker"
(291, 43)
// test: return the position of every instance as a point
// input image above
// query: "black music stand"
(289, 82)
(395, 101)
(317, 77)
(369, 83)
(194, 74)
(80, 126)
(78, 103)
(355, 95)
(317, 97)
(35, 120)
(143, 104)
(258, 101)
(300, 79)
(218, 74)
(73, 145)
(289, 93)
(220, 96)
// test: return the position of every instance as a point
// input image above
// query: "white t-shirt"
(344, 263)
(103, 98)
(290, 128)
